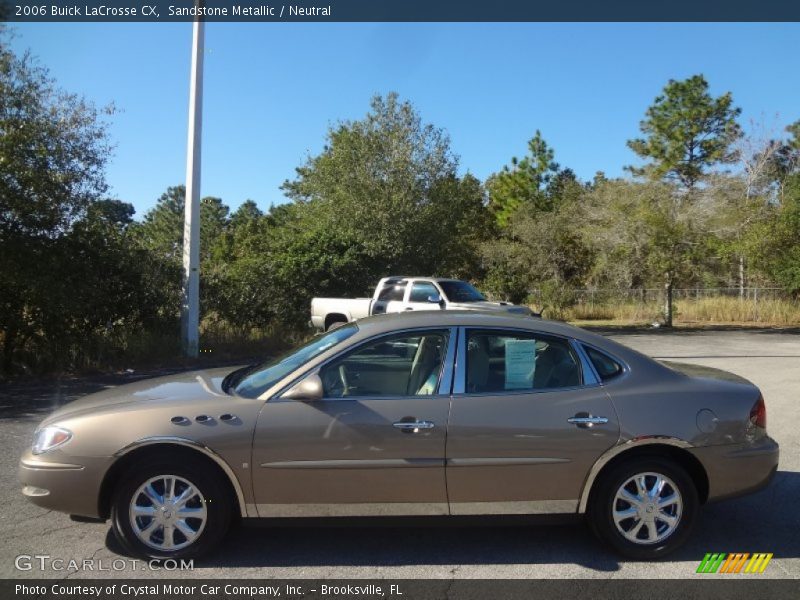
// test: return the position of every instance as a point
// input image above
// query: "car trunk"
(691, 370)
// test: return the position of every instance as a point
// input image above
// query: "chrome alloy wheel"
(647, 508)
(168, 512)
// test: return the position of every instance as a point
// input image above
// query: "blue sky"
(272, 90)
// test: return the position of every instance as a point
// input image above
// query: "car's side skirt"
(379, 509)
(521, 507)
(360, 509)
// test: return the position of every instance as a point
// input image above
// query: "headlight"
(51, 437)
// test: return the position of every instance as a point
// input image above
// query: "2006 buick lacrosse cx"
(422, 413)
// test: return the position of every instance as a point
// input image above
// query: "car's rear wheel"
(162, 510)
(644, 508)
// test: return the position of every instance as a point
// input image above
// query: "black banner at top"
(400, 10)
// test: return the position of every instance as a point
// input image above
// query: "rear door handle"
(413, 426)
(585, 420)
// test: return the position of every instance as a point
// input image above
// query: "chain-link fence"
(657, 295)
(767, 305)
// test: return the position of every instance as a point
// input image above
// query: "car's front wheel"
(161, 510)
(644, 508)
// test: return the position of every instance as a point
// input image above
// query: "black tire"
(602, 504)
(210, 484)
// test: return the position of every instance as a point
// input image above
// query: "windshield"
(262, 377)
(460, 291)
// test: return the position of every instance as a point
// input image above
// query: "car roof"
(395, 279)
(464, 318)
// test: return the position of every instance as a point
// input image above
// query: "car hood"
(491, 306)
(175, 389)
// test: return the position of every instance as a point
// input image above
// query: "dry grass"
(701, 311)
(629, 312)
(735, 310)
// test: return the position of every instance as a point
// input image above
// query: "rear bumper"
(736, 470)
(317, 322)
(64, 487)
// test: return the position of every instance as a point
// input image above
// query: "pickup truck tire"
(335, 324)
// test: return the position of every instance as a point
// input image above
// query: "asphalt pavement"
(768, 521)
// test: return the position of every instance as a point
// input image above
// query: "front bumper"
(736, 470)
(66, 486)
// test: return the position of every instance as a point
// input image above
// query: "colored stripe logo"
(737, 562)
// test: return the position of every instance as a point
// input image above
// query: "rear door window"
(500, 361)
(393, 293)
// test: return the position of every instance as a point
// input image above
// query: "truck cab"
(403, 293)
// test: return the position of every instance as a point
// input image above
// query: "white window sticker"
(520, 364)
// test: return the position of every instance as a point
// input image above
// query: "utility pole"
(190, 309)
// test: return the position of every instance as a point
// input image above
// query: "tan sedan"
(431, 413)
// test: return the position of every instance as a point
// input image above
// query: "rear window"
(606, 367)
(393, 292)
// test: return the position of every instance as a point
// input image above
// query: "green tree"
(53, 150)
(686, 132)
(794, 135)
(540, 257)
(776, 242)
(387, 184)
(645, 234)
(783, 157)
(241, 226)
(114, 290)
(524, 182)
(161, 231)
(275, 268)
(247, 213)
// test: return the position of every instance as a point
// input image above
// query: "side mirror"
(307, 390)
(434, 298)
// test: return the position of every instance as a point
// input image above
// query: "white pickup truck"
(397, 294)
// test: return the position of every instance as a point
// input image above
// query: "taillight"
(758, 414)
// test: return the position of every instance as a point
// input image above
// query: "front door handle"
(586, 420)
(413, 426)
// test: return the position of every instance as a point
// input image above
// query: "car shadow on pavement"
(767, 521)
(376, 545)
(763, 522)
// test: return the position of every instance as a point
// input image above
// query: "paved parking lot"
(765, 522)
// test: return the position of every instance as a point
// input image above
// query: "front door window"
(400, 365)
